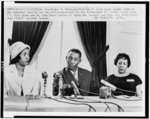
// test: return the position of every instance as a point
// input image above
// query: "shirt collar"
(76, 72)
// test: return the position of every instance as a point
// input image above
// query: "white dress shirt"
(75, 74)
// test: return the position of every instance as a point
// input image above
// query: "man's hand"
(66, 86)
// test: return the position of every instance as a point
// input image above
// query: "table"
(51, 105)
(15, 103)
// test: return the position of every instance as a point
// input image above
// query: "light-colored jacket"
(31, 82)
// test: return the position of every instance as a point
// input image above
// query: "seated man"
(81, 77)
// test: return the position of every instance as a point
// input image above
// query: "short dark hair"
(16, 59)
(76, 51)
(122, 56)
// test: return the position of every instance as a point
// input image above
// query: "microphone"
(108, 84)
(60, 83)
(75, 88)
(58, 75)
(45, 76)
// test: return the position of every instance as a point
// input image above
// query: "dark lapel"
(68, 76)
(80, 75)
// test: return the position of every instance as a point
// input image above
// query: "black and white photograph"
(74, 60)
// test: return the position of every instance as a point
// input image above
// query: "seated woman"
(126, 83)
(19, 78)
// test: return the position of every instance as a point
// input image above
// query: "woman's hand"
(31, 96)
(138, 91)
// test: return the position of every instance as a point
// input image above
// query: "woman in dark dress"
(126, 83)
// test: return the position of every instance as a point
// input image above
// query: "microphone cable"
(126, 98)
(96, 101)
(139, 98)
(90, 107)
(116, 96)
(88, 92)
(127, 90)
(27, 100)
(119, 107)
(108, 107)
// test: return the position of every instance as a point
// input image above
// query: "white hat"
(16, 48)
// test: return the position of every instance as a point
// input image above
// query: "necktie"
(75, 76)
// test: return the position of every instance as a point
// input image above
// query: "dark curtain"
(93, 37)
(29, 32)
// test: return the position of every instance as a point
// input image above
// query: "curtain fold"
(93, 38)
(35, 56)
(29, 32)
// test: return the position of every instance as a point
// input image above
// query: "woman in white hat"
(19, 78)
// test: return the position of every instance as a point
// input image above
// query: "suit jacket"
(84, 81)
(29, 83)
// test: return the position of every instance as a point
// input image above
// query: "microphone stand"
(75, 89)
(75, 93)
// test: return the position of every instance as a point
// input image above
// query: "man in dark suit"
(81, 77)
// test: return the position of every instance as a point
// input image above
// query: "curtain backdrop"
(93, 38)
(29, 32)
